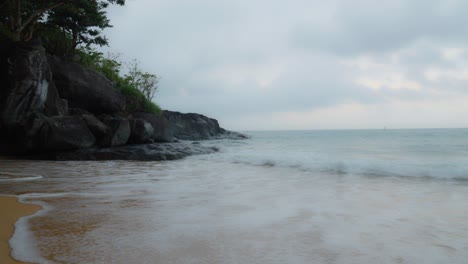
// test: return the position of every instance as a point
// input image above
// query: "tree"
(146, 83)
(82, 22)
(18, 18)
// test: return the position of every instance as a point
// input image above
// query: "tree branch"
(18, 14)
(10, 16)
(37, 14)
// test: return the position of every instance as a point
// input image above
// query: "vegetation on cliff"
(138, 87)
(69, 29)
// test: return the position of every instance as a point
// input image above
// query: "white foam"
(6, 176)
(23, 242)
(59, 195)
(345, 157)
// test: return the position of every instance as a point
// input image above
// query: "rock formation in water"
(52, 108)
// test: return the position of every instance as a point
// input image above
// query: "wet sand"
(11, 210)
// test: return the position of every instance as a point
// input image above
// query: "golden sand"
(10, 211)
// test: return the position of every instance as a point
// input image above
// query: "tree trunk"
(18, 15)
(18, 25)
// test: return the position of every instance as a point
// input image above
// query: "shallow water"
(280, 197)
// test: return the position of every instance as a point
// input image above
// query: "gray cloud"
(367, 26)
(235, 59)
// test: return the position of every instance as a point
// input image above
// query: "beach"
(280, 197)
(11, 210)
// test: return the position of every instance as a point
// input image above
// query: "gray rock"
(191, 126)
(99, 129)
(65, 133)
(118, 133)
(231, 135)
(146, 152)
(78, 111)
(28, 86)
(38, 133)
(196, 127)
(25, 134)
(160, 126)
(140, 131)
(85, 88)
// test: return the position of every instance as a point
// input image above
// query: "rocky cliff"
(56, 109)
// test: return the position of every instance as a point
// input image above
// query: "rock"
(78, 111)
(196, 127)
(54, 105)
(140, 131)
(38, 133)
(231, 135)
(99, 129)
(118, 133)
(28, 86)
(64, 133)
(161, 132)
(191, 126)
(85, 88)
(146, 152)
(24, 135)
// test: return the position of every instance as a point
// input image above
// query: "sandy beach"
(11, 210)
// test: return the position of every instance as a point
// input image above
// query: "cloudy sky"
(303, 64)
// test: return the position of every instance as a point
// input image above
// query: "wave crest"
(7, 176)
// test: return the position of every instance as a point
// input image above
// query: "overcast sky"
(303, 64)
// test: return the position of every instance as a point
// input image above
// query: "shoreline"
(12, 210)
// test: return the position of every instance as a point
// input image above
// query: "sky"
(303, 64)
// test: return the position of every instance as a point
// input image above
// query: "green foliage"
(110, 66)
(136, 101)
(70, 27)
(55, 41)
(82, 19)
(146, 83)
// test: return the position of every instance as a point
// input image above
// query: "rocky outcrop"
(161, 132)
(170, 126)
(118, 133)
(64, 133)
(99, 129)
(140, 132)
(38, 133)
(28, 85)
(28, 94)
(85, 88)
(196, 127)
(191, 126)
(146, 152)
(35, 118)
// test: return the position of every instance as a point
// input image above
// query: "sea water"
(351, 196)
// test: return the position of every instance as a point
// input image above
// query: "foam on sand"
(11, 210)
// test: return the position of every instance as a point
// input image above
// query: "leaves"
(146, 83)
(138, 87)
(80, 18)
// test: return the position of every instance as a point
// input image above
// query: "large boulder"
(65, 133)
(98, 128)
(39, 133)
(85, 88)
(140, 131)
(27, 84)
(23, 136)
(118, 133)
(192, 126)
(161, 131)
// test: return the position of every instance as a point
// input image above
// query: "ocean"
(338, 196)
